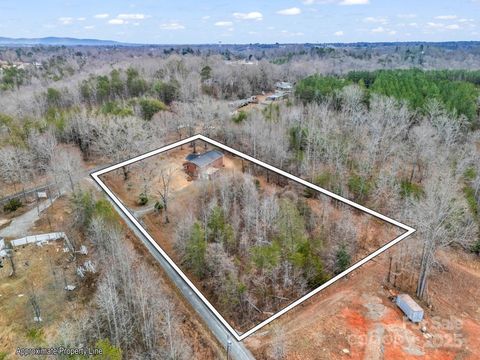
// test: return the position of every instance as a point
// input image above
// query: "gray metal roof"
(205, 159)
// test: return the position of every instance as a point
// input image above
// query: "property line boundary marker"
(239, 337)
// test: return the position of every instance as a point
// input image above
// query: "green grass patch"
(35, 335)
(239, 117)
(411, 190)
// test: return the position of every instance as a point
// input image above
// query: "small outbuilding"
(203, 165)
(410, 308)
(284, 86)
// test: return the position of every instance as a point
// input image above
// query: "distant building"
(204, 165)
(284, 86)
(277, 96)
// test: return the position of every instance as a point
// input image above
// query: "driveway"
(20, 225)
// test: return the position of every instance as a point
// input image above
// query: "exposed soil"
(41, 270)
(356, 319)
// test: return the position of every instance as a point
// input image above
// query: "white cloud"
(89, 27)
(172, 25)
(382, 30)
(131, 16)
(254, 15)
(81, 19)
(354, 2)
(65, 20)
(452, 27)
(116, 22)
(339, 2)
(407, 16)
(290, 11)
(206, 17)
(101, 16)
(223, 23)
(446, 17)
(379, 29)
(376, 20)
(435, 25)
(338, 33)
(289, 33)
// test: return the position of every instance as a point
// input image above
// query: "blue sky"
(247, 21)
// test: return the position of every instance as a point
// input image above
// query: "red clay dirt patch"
(355, 319)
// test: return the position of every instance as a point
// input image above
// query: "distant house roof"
(205, 159)
(284, 85)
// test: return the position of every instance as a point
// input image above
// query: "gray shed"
(413, 311)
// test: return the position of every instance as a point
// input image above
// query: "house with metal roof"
(203, 165)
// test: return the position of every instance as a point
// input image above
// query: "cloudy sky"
(247, 21)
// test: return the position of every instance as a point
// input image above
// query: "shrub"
(142, 199)
(342, 260)
(35, 334)
(206, 73)
(326, 180)
(471, 200)
(476, 247)
(150, 107)
(239, 117)
(359, 187)
(409, 189)
(109, 351)
(12, 205)
(54, 97)
(470, 174)
(159, 206)
(104, 209)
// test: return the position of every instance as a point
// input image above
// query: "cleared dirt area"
(144, 176)
(356, 319)
(40, 270)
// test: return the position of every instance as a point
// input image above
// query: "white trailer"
(409, 307)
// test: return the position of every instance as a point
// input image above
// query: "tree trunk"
(125, 173)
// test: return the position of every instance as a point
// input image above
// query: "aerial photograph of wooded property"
(251, 240)
(259, 180)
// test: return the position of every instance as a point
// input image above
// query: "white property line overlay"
(95, 175)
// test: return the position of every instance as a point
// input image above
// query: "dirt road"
(21, 225)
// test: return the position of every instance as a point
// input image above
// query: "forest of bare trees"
(420, 167)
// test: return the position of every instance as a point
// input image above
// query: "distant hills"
(57, 41)
(69, 41)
